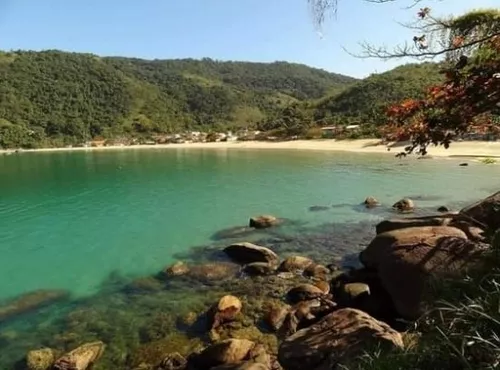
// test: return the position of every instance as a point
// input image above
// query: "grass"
(462, 331)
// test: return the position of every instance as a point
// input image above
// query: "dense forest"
(54, 98)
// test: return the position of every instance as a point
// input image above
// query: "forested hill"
(58, 98)
(367, 100)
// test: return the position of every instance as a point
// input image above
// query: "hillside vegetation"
(55, 98)
(367, 100)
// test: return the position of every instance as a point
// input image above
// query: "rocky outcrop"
(486, 213)
(245, 253)
(225, 310)
(81, 358)
(340, 336)
(30, 302)
(263, 222)
(406, 259)
(295, 264)
(404, 205)
(40, 359)
(371, 202)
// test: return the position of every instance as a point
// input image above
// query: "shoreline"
(468, 149)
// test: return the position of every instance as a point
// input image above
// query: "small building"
(352, 127)
(331, 131)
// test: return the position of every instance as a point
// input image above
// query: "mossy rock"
(153, 353)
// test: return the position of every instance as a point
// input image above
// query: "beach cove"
(101, 224)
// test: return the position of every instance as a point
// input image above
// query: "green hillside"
(58, 98)
(367, 100)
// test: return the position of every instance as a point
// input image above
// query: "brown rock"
(316, 271)
(248, 253)
(323, 285)
(276, 316)
(295, 263)
(304, 292)
(340, 336)
(405, 260)
(81, 358)
(230, 351)
(404, 205)
(259, 268)
(31, 301)
(385, 243)
(173, 361)
(177, 269)
(404, 223)
(371, 202)
(226, 310)
(354, 290)
(40, 359)
(263, 222)
(485, 212)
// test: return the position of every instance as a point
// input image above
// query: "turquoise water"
(99, 224)
(67, 220)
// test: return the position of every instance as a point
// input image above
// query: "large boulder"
(213, 271)
(40, 359)
(295, 263)
(225, 310)
(226, 352)
(385, 243)
(81, 358)
(371, 202)
(30, 302)
(485, 212)
(263, 222)
(342, 335)
(407, 260)
(248, 253)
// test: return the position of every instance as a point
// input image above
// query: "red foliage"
(465, 102)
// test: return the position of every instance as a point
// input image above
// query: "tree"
(468, 99)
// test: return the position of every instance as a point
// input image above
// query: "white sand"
(457, 149)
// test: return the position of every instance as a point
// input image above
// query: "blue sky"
(254, 30)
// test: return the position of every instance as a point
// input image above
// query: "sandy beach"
(457, 149)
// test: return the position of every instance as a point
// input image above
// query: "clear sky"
(254, 30)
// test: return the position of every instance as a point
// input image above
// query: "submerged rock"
(404, 205)
(371, 202)
(338, 337)
(213, 271)
(230, 351)
(177, 269)
(318, 208)
(40, 359)
(81, 358)
(248, 253)
(443, 209)
(30, 302)
(263, 222)
(259, 268)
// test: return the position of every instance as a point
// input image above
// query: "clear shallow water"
(68, 220)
